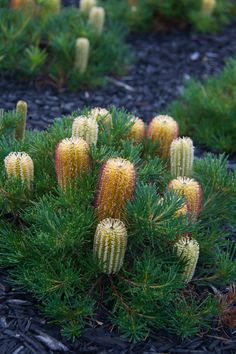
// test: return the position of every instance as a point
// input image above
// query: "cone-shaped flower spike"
(97, 19)
(137, 130)
(116, 186)
(188, 250)
(21, 166)
(85, 128)
(191, 190)
(101, 115)
(82, 48)
(163, 129)
(72, 160)
(21, 109)
(110, 244)
(181, 157)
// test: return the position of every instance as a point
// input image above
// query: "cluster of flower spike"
(117, 180)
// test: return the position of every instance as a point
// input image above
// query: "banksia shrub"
(85, 128)
(163, 129)
(191, 190)
(181, 157)
(20, 166)
(116, 186)
(97, 19)
(188, 250)
(72, 160)
(21, 109)
(208, 7)
(102, 115)
(110, 244)
(82, 48)
(137, 130)
(86, 5)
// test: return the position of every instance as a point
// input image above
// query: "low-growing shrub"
(100, 226)
(204, 15)
(40, 43)
(207, 110)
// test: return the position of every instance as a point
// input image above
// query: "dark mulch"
(163, 63)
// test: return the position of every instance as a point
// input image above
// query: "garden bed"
(163, 64)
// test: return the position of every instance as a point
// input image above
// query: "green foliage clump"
(146, 14)
(206, 110)
(46, 237)
(44, 48)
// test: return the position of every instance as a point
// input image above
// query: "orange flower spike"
(163, 129)
(137, 130)
(116, 186)
(191, 190)
(72, 159)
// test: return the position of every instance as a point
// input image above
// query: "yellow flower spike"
(86, 5)
(97, 19)
(163, 129)
(110, 243)
(102, 115)
(137, 130)
(21, 109)
(21, 166)
(191, 190)
(82, 48)
(188, 250)
(72, 160)
(85, 128)
(208, 7)
(116, 186)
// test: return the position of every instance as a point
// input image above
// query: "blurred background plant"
(206, 110)
(38, 40)
(143, 15)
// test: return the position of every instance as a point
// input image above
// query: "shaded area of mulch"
(24, 331)
(163, 63)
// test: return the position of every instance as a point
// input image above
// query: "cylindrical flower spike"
(85, 128)
(208, 7)
(163, 129)
(181, 157)
(21, 109)
(72, 160)
(137, 130)
(86, 5)
(21, 166)
(102, 115)
(116, 186)
(188, 250)
(110, 243)
(82, 48)
(191, 190)
(55, 6)
(97, 19)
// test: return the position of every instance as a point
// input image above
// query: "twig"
(127, 307)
